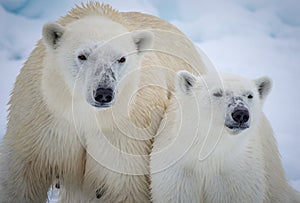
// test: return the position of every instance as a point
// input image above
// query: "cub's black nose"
(240, 115)
(104, 95)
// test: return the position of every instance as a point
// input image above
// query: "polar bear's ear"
(185, 81)
(143, 40)
(52, 33)
(264, 85)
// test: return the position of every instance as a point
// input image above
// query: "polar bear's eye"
(122, 60)
(218, 93)
(82, 57)
(250, 96)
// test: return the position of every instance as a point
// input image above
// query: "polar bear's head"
(232, 101)
(94, 55)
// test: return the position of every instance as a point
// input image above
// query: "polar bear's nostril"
(104, 95)
(240, 115)
(246, 118)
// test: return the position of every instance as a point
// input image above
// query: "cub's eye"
(122, 60)
(218, 94)
(82, 57)
(250, 96)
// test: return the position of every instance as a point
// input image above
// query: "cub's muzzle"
(239, 119)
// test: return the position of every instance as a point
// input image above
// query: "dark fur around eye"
(82, 57)
(218, 94)
(122, 60)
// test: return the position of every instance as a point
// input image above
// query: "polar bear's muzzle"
(103, 97)
(101, 90)
(238, 119)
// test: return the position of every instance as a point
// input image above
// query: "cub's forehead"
(228, 82)
(238, 84)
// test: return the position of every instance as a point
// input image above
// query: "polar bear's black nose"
(104, 95)
(240, 115)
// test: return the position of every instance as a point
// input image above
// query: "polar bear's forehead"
(100, 48)
(228, 82)
(239, 85)
(97, 28)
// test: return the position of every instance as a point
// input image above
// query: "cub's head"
(229, 101)
(93, 55)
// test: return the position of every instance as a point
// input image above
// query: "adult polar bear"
(218, 154)
(62, 120)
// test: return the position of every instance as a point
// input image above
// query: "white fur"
(75, 129)
(55, 134)
(196, 158)
(99, 130)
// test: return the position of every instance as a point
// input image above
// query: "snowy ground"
(248, 37)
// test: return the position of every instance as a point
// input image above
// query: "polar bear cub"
(208, 148)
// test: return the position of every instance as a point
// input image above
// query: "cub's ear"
(143, 40)
(185, 81)
(52, 32)
(264, 86)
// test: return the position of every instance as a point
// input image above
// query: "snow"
(248, 37)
